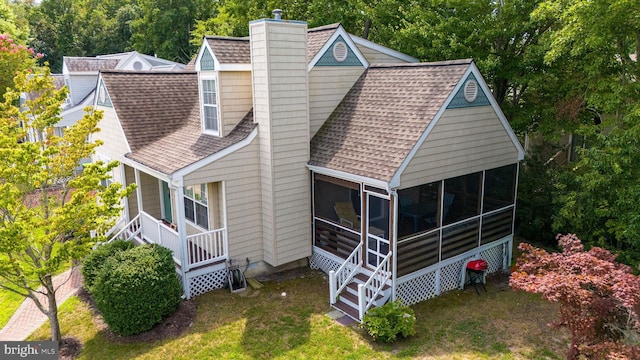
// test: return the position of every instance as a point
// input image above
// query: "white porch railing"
(155, 231)
(206, 248)
(368, 291)
(340, 278)
(202, 249)
(127, 232)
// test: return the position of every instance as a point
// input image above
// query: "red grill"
(477, 265)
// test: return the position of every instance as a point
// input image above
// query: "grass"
(9, 303)
(261, 324)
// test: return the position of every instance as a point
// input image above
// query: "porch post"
(125, 200)
(138, 189)
(182, 235)
(224, 219)
(394, 241)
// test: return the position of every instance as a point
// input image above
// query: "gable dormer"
(224, 82)
(208, 90)
(335, 63)
(134, 62)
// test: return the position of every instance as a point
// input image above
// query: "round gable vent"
(471, 90)
(137, 65)
(340, 51)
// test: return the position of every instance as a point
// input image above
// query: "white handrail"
(366, 293)
(207, 247)
(340, 278)
(133, 227)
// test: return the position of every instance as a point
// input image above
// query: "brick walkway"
(28, 318)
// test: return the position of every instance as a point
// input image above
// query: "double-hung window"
(195, 205)
(209, 105)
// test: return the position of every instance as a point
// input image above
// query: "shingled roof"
(317, 37)
(382, 117)
(234, 50)
(79, 64)
(165, 135)
(230, 50)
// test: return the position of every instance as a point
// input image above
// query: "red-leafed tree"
(599, 298)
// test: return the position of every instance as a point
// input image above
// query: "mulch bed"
(172, 326)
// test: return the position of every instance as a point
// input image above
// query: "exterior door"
(377, 218)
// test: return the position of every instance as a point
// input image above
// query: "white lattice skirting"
(447, 275)
(318, 261)
(200, 284)
(435, 279)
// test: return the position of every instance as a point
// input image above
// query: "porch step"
(347, 310)
(347, 301)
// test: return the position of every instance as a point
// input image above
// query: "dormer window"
(210, 106)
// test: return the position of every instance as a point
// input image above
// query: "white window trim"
(195, 214)
(202, 105)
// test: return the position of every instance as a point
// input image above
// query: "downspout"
(178, 187)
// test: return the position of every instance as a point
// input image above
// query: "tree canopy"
(48, 207)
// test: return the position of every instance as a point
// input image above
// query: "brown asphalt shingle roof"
(230, 50)
(160, 116)
(317, 37)
(382, 117)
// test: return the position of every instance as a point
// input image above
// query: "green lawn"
(260, 324)
(9, 303)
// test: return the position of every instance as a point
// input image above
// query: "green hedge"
(135, 289)
(94, 261)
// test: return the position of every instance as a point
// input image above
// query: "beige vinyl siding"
(114, 143)
(235, 98)
(374, 56)
(150, 195)
(281, 111)
(327, 87)
(463, 141)
(238, 173)
(260, 75)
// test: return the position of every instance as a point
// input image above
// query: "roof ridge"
(424, 64)
(147, 72)
(325, 27)
(232, 38)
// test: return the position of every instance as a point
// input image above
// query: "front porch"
(200, 259)
(188, 219)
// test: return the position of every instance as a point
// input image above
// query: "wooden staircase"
(347, 301)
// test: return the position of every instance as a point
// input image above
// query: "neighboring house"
(289, 147)
(80, 75)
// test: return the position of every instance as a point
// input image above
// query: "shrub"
(137, 288)
(598, 298)
(94, 261)
(389, 322)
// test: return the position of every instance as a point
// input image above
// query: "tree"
(597, 195)
(47, 210)
(164, 28)
(14, 58)
(18, 29)
(598, 298)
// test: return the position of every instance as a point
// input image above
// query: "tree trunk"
(53, 317)
(365, 31)
(52, 308)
